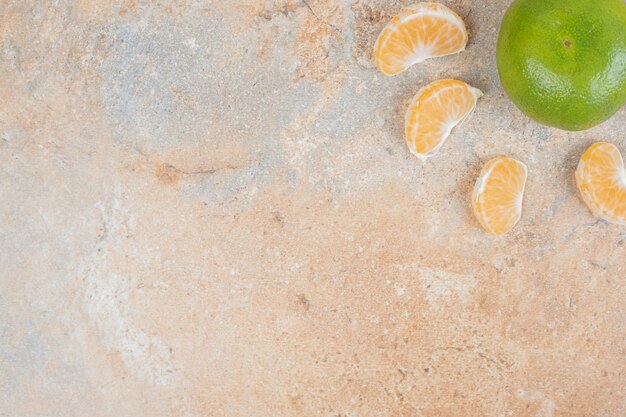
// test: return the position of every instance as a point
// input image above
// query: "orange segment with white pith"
(419, 32)
(498, 194)
(601, 179)
(434, 111)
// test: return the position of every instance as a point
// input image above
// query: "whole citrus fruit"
(563, 62)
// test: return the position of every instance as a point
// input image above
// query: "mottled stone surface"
(208, 210)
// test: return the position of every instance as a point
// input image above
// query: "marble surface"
(208, 209)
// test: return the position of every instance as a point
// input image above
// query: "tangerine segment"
(419, 32)
(434, 111)
(498, 194)
(601, 179)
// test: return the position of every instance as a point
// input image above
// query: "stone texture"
(208, 210)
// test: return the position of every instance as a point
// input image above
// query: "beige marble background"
(208, 210)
